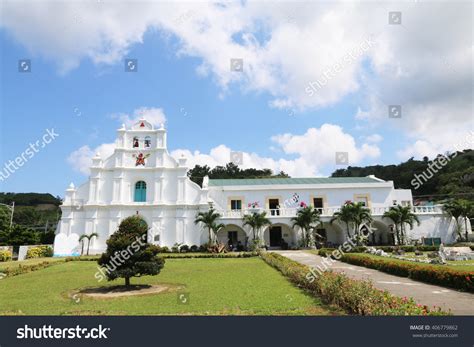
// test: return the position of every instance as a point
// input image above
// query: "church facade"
(141, 177)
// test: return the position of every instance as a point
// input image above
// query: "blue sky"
(202, 110)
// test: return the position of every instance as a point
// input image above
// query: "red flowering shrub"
(354, 296)
(436, 274)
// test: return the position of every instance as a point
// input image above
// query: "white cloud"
(81, 159)
(374, 138)
(153, 115)
(421, 65)
(315, 153)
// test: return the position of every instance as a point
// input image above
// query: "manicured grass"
(244, 286)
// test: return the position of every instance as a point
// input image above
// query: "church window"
(140, 192)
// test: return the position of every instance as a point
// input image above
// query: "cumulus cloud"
(81, 159)
(153, 115)
(304, 55)
(314, 152)
(374, 138)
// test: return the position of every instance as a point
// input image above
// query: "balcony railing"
(325, 212)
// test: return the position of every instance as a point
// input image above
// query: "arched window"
(140, 192)
(135, 142)
(147, 141)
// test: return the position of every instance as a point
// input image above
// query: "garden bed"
(443, 275)
(354, 296)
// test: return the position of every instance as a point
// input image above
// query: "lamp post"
(12, 209)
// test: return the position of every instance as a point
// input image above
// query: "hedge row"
(388, 249)
(209, 255)
(21, 269)
(435, 274)
(181, 256)
(354, 296)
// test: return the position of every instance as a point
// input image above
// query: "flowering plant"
(253, 204)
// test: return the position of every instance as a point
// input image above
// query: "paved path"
(460, 303)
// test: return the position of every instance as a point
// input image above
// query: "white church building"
(141, 177)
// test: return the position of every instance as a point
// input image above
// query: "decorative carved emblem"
(140, 159)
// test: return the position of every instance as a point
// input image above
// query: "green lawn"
(245, 286)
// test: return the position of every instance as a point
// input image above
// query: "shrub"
(194, 248)
(141, 258)
(358, 249)
(164, 249)
(324, 252)
(184, 249)
(5, 255)
(427, 248)
(436, 274)
(354, 296)
(39, 252)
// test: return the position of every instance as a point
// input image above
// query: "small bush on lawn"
(5, 255)
(39, 252)
(357, 297)
(440, 275)
(194, 248)
(184, 249)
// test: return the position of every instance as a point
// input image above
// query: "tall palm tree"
(401, 215)
(360, 215)
(209, 220)
(256, 221)
(344, 215)
(407, 217)
(394, 215)
(306, 219)
(88, 237)
(455, 210)
(460, 208)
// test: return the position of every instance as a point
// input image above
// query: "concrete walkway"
(459, 303)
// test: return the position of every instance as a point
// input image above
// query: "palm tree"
(256, 221)
(306, 219)
(460, 209)
(455, 210)
(407, 217)
(360, 215)
(468, 213)
(344, 215)
(88, 237)
(394, 215)
(209, 220)
(401, 215)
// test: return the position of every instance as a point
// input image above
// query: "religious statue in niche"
(140, 159)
